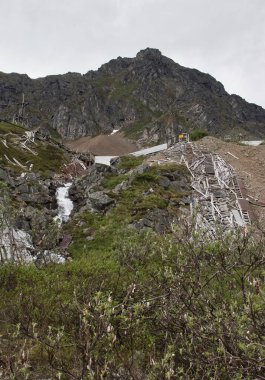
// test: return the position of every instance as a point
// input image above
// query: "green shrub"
(11, 128)
(197, 134)
(111, 180)
(146, 177)
(164, 307)
(130, 162)
(151, 201)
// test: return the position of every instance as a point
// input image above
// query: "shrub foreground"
(168, 307)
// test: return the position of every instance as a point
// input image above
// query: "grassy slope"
(131, 205)
(165, 307)
(49, 156)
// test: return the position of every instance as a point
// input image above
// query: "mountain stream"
(65, 205)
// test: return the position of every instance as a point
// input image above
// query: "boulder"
(156, 219)
(99, 201)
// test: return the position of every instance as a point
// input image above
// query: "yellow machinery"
(184, 137)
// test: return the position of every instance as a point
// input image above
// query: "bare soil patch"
(103, 145)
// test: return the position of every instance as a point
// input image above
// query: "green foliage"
(148, 176)
(197, 134)
(104, 81)
(11, 128)
(152, 201)
(115, 86)
(130, 162)
(136, 129)
(123, 90)
(136, 305)
(159, 307)
(95, 235)
(111, 180)
(170, 168)
(48, 158)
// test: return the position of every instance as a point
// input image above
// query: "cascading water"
(65, 205)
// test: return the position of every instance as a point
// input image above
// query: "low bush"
(157, 307)
(130, 162)
(197, 134)
(111, 180)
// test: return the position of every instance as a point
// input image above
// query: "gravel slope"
(103, 145)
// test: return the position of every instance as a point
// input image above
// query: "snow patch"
(113, 132)
(253, 142)
(105, 160)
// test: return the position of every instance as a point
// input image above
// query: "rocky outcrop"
(28, 230)
(87, 192)
(156, 220)
(149, 97)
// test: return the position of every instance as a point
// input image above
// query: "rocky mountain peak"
(149, 53)
(135, 95)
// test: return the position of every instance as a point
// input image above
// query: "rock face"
(87, 192)
(32, 171)
(149, 97)
(27, 231)
(130, 192)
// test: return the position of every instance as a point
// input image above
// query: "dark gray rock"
(142, 169)
(164, 182)
(180, 186)
(34, 193)
(156, 219)
(149, 97)
(100, 201)
(185, 201)
(5, 177)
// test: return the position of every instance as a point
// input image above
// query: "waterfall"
(65, 205)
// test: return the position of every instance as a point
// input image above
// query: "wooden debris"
(231, 154)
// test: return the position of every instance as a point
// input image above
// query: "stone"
(100, 201)
(150, 97)
(164, 182)
(5, 177)
(179, 186)
(156, 219)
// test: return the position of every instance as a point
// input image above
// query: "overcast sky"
(225, 38)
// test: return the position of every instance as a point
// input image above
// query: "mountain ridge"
(149, 97)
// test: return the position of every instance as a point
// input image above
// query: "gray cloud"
(225, 38)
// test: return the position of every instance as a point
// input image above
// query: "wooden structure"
(20, 115)
(219, 198)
